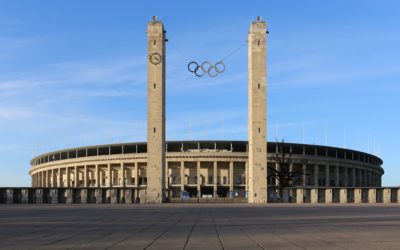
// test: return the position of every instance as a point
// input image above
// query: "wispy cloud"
(66, 81)
(16, 113)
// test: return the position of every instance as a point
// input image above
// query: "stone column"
(215, 181)
(316, 175)
(343, 195)
(358, 195)
(76, 176)
(328, 195)
(360, 182)
(42, 181)
(353, 177)
(346, 177)
(231, 178)
(50, 182)
(101, 177)
(56, 177)
(85, 176)
(299, 195)
(372, 195)
(398, 195)
(137, 174)
(198, 180)
(314, 195)
(61, 177)
(387, 195)
(337, 176)
(52, 178)
(68, 176)
(304, 176)
(44, 178)
(182, 176)
(48, 178)
(123, 174)
(108, 176)
(327, 180)
(97, 175)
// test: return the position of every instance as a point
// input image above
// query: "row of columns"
(342, 195)
(214, 175)
(363, 178)
(77, 174)
(89, 175)
(93, 175)
(131, 195)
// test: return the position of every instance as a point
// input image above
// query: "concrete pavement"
(200, 226)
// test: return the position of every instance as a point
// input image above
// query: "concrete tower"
(156, 112)
(257, 120)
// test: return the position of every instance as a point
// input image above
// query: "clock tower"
(156, 112)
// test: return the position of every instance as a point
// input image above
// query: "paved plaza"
(200, 226)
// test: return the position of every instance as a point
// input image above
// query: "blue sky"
(73, 73)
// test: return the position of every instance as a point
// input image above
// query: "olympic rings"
(206, 68)
(191, 70)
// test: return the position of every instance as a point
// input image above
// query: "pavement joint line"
(107, 233)
(192, 228)
(44, 236)
(216, 229)
(288, 241)
(192, 224)
(245, 233)
(331, 243)
(165, 231)
(139, 231)
(68, 238)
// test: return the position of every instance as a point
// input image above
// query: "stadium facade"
(159, 171)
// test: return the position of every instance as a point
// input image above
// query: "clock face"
(155, 58)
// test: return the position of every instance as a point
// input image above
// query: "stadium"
(159, 171)
(204, 169)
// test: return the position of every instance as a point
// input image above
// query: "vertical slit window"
(154, 130)
(154, 86)
(155, 42)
